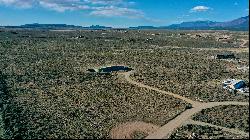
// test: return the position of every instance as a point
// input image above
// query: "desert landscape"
(174, 88)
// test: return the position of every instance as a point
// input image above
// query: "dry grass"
(227, 116)
(203, 132)
(88, 108)
(49, 94)
(187, 72)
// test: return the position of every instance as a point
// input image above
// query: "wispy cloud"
(112, 11)
(183, 16)
(18, 3)
(63, 5)
(105, 2)
(105, 8)
(200, 9)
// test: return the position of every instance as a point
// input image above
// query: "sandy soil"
(125, 130)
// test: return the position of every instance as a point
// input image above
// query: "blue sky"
(119, 13)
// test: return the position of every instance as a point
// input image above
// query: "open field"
(46, 91)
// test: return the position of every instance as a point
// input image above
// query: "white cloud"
(107, 8)
(101, 8)
(200, 9)
(55, 6)
(112, 11)
(61, 6)
(105, 2)
(18, 3)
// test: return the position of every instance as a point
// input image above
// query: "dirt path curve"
(166, 130)
(127, 74)
(235, 131)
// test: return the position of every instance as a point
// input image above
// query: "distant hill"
(56, 26)
(143, 27)
(48, 26)
(242, 22)
(193, 24)
(237, 24)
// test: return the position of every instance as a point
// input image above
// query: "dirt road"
(194, 103)
(166, 130)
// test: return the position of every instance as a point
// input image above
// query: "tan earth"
(125, 130)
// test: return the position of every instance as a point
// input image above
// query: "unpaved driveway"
(127, 74)
(166, 130)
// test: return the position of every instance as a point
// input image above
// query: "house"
(92, 70)
(148, 39)
(197, 35)
(110, 69)
(236, 85)
(114, 69)
(79, 37)
(225, 56)
(223, 38)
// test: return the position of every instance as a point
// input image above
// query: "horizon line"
(114, 26)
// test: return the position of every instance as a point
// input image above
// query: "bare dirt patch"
(126, 130)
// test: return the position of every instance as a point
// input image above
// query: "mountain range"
(241, 24)
(237, 24)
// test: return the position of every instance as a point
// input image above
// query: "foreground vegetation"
(190, 73)
(236, 117)
(88, 108)
(1, 127)
(191, 131)
(47, 93)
